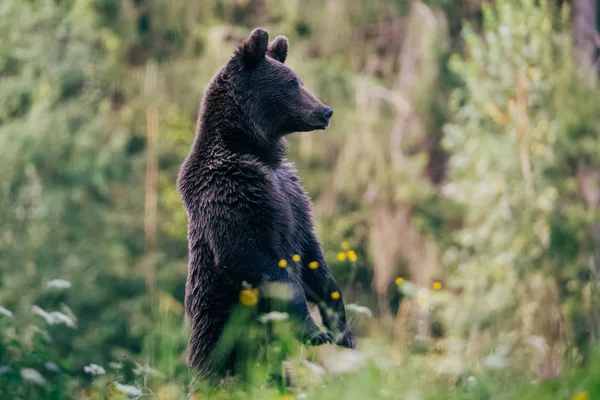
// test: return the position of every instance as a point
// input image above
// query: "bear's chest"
(287, 201)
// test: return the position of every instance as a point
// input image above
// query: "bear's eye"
(293, 83)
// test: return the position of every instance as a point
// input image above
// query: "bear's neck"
(241, 139)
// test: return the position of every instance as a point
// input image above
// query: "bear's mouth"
(322, 123)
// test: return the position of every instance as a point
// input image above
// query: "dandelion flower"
(285, 397)
(345, 245)
(249, 297)
(399, 281)
(296, 257)
(352, 255)
(335, 295)
(437, 285)
(313, 265)
(581, 396)
(341, 256)
(282, 263)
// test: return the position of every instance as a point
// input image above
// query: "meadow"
(456, 194)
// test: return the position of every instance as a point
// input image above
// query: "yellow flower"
(335, 295)
(437, 285)
(313, 265)
(296, 257)
(399, 281)
(341, 256)
(581, 396)
(352, 255)
(282, 263)
(249, 297)
(421, 301)
(345, 245)
(285, 397)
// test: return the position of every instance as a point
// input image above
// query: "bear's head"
(269, 92)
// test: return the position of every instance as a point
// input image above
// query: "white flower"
(359, 309)
(345, 361)
(273, 316)
(495, 361)
(5, 312)
(302, 396)
(59, 284)
(539, 343)
(31, 375)
(94, 369)
(413, 396)
(54, 318)
(146, 370)
(128, 389)
(314, 368)
(51, 366)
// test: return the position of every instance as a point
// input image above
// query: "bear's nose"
(327, 112)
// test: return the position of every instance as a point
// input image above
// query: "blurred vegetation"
(457, 194)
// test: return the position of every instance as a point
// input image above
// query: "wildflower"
(282, 263)
(581, 396)
(59, 284)
(313, 265)
(341, 256)
(51, 366)
(495, 361)
(343, 362)
(352, 255)
(54, 318)
(146, 371)
(399, 281)
(296, 257)
(249, 297)
(345, 245)
(335, 295)
(94, 369)
(273, 316)
(5, 312)
(437, 285)
(128, 389)
(314, 368)
(31, 375)
(285, 397)
(421, 301)
(359, 309)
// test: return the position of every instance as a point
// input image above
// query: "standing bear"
(248, 214)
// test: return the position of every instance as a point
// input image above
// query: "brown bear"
(246, 208)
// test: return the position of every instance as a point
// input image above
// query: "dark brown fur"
(245, 204)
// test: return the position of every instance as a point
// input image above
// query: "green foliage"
(493, 208)
(511, 168)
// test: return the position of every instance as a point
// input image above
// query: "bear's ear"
(278, 49)
(254, 48)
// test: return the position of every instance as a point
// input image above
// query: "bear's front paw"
(346, 339)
